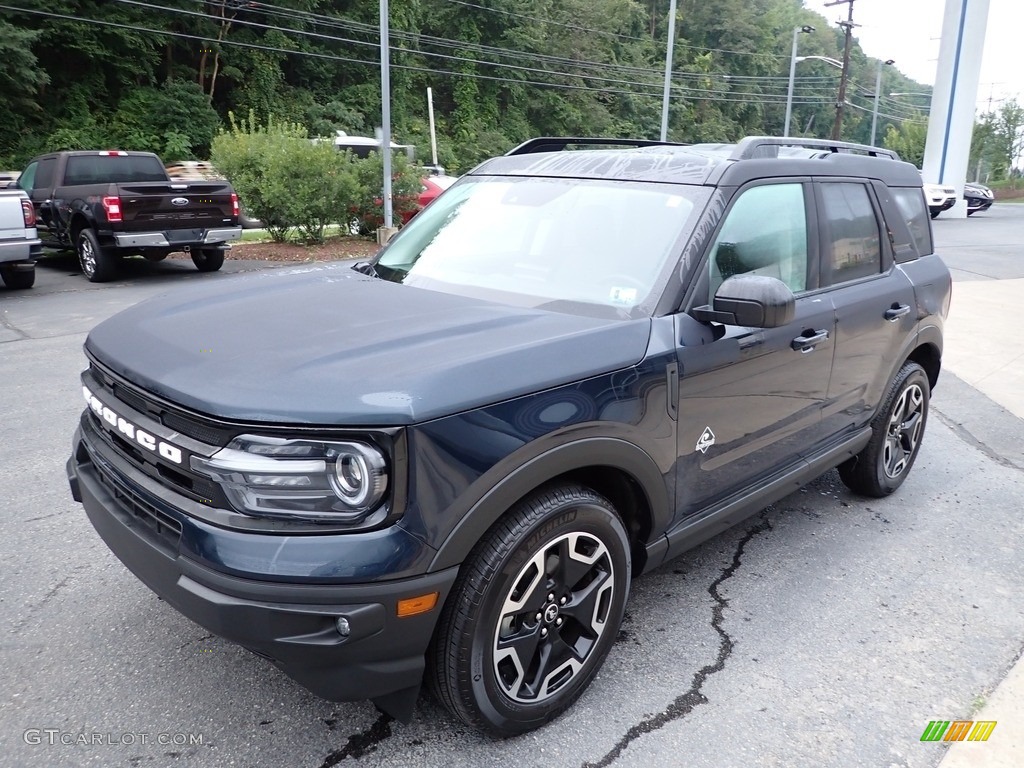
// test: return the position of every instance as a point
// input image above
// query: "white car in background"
(940, 198)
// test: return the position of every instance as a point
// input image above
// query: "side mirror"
(365, 267)
(753, 301)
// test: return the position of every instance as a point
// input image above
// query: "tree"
(908, 140)
(1009, 133)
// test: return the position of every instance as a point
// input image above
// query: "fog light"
(343, 626)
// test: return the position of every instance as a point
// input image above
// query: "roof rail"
(767, 146)
(558, 144)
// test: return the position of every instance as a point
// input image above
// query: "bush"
(284, 179)
(312, 184)
(368, 210)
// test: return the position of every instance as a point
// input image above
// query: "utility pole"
(668, 69)
(841, 101)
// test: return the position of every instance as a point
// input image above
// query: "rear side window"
(914, 210)
(103, 169)
(853, 247)
(44, 174)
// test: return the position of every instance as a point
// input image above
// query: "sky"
(909, 31)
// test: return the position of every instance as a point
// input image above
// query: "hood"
(329, 346)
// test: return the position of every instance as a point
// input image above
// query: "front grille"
(177, 477)
(194, 429)
(128, 397)
(197, 488)
(166, 528)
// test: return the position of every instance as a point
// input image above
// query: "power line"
(416, 37)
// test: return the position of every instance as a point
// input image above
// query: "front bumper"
(173, 238)
(979, 203)
(292, 624)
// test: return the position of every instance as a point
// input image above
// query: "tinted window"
(765, 233)
(27, 178)
(853, 248)
(910, 201)
(44, 174)
(103, 169)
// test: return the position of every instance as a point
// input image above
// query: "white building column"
(951, 121)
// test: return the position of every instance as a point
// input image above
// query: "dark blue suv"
(448, 464)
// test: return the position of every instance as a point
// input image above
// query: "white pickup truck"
(19, 244)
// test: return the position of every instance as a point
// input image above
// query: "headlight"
(339, 481)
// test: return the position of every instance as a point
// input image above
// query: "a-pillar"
(951, 121)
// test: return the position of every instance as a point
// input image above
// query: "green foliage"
(513, 70)
(243, 154)
(368, 207)
(175, 121)
(908, 140)
(286, 180)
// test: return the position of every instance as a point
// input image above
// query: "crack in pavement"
(361, 743)
(964, 434)
(685, 703)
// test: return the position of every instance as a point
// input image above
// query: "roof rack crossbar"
(753, 146)
(560, 143)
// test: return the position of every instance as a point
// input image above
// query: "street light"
(827, 59)
(805, 29)
(878, 92)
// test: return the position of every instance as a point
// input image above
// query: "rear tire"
(535, 610)
(897, 430)
(97, 263)
(17, 279)
(208, 259)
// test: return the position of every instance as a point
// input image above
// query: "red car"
(404, 207)
(432, 187)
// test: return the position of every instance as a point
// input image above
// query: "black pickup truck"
(112, 203)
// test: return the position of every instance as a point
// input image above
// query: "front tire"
(208, 259)
(897, 430)
(97, 263)
(534, 612)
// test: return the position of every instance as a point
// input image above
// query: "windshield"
(581, 246)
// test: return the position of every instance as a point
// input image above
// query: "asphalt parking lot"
(826, 631)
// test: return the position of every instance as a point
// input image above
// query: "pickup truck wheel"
(534, 612)
(16, 279)
(98, 265)
(885, 462)
(208, 259)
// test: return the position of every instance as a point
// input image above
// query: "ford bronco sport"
(448, 464)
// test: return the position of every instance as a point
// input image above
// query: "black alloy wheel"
(534, 612)
(97, 263)
(897, 430)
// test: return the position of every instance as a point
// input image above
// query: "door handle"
(808, 340)
(897, 311)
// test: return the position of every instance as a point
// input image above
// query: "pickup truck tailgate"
(12, 219)
(158, 206)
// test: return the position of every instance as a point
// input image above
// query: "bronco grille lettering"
(121, 425)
